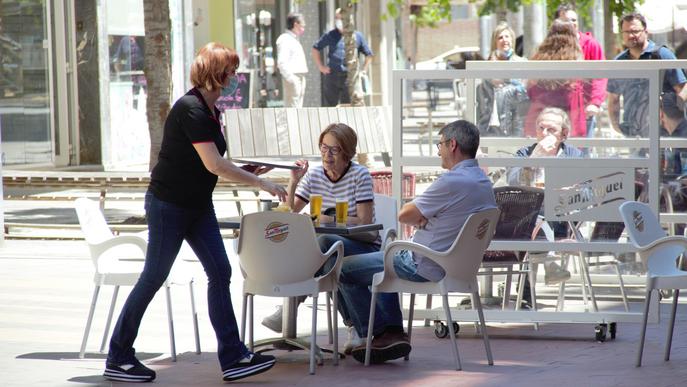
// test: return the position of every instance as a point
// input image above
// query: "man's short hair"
(466, 135)
(292, 19)
(629, 17)
(670, 107)
(563, 8)
(565, 119)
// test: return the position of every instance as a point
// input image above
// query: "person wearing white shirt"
(291, 60)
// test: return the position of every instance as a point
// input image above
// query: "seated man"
(438, 214)
(552, 128)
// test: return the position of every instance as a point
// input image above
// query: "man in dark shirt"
(335, 72)
(635, 92)
(673, 124)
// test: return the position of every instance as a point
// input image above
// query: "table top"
(324, 228)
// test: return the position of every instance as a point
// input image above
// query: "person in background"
(179, 207)
(635, 92)
(438, 214)
(335, 72)
(499, 101)
(594, 89)
(291, 60)
(337, 178)
(673, 124)
(560, 44)
(552, 127)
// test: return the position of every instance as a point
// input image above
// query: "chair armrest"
(397, 245)
(99, 248)
(388, 235)
(338, 248)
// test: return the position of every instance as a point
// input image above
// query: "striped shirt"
(355, 185)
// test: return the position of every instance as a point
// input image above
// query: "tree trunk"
(350, 44)
(609, 36)
(158, 70)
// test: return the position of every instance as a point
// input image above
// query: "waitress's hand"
(297, 174)
(273, 188)
(256, 169)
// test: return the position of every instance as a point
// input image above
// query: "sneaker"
(274, 321)
(352, 341)
(555, 274)
(252, 364)
(132, 373)
(385, 347)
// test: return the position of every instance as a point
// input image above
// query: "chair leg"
(622, 287)
(110, 313)
(521, 286)
(506, 290)
(561, 297)
(411, 315)
(172, 344)
(472, 305)
(669, 339)
(533, 291)
(89, 320)
(313, 334)
(428, 306)
(449, 321)
(335, 317)
(243, 317)
(647, 302)
(329, 317)
(251, 326)
(370, 327)
(483, 325)
(194, 315)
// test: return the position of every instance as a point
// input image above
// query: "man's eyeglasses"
(441, 142)
(633, 32)
(334, 150)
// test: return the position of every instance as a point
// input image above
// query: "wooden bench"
(291, 133)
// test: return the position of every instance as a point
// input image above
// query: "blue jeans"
(354, 283)
(351, 247)
(168, 226)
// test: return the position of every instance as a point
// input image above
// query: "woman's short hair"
(210, 67)
(344, 135)
(503, 26)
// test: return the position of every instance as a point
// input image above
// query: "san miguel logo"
(589, 194)
(276, 231)
(638, 221)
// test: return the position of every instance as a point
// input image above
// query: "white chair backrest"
(386, 211)
(641, 223)
(92, 221)
(278, 247)
(464, 257)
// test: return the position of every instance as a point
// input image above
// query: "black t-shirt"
(180, 176)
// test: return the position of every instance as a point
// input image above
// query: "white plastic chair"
(386, 213)
(660, 253)
(118, 261)
(279, 256)
(460, 262)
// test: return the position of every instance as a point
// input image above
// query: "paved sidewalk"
(46, 287)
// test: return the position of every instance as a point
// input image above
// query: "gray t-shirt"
(446, 204)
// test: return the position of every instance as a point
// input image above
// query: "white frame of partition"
(546, 70)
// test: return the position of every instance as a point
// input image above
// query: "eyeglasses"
(441, 142)
(230, 71)
(334, 150)
(633, 32)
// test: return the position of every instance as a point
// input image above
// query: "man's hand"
(547, 147)
(591, 110)
(325, 69)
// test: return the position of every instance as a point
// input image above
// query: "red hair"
(209, 69)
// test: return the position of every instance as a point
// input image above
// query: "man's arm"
(614, 111)
(411, 215)
(366, 64)
(315, 53)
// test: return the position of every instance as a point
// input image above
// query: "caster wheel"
(440, 329)
(612, 330)
(600, 331)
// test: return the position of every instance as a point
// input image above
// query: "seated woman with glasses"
(337, 178)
